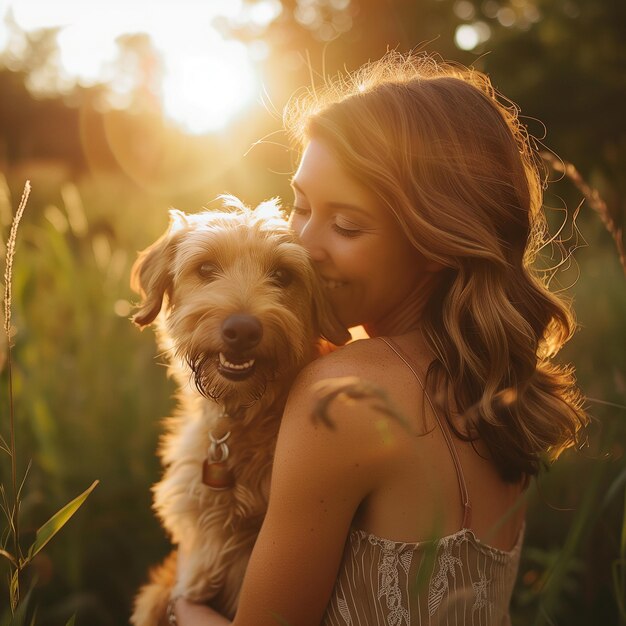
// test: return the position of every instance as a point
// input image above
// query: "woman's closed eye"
(341, 226)
(346, 232)
(346, 227)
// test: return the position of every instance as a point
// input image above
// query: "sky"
(206, 78)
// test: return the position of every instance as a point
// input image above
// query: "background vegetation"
(89, 389)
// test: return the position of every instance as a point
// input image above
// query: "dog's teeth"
(235, 366)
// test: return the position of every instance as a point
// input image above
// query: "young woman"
(419, 198)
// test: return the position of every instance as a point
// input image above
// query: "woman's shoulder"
(358, 358)
(336, 419)
(350, 362)
(346, 389)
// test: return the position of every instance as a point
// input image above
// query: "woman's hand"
(187, 613)
(192, 614)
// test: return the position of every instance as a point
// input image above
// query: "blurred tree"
(564, 62)
(568, 69)
(35, 129)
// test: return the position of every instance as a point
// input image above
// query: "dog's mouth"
(235, 366)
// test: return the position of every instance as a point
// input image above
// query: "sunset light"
(202, 80)
(202, 91)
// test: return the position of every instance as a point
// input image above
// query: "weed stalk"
(14, 514)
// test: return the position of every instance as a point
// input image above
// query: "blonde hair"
(448, 156)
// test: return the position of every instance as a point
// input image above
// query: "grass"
(75, 387)
(20, 611)
(88, 400)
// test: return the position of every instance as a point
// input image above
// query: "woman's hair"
(450, 159)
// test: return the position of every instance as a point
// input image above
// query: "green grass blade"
(14, 590)
(71, 621)
(22, 610)
(279, 620)
(57, 521)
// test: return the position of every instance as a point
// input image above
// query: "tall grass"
(573, 567)
(19, 561)
(11, 509)
(89, 399)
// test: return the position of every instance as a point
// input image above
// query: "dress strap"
(467, 507)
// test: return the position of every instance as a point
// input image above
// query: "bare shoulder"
(367, 361)
(360, 358)
(346, 395)
(359, 362)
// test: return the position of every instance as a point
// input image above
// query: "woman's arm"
(320, 477)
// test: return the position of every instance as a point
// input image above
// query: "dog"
(239, 310)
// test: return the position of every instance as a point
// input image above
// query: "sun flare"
(204, 80)
(203, 91)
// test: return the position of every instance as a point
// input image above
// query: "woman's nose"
(311, 239)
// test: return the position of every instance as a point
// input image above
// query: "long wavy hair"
(449, 157)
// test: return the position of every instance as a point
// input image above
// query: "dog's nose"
(241, 332)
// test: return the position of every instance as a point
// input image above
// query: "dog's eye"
(282, 277)
(207, 271)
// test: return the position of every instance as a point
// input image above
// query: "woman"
(419, 199)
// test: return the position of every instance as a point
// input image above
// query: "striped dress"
(453, 581)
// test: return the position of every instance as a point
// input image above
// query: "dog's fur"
(203, 270)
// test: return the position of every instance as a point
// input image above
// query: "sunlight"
(87, 68)
(203, 80)
(204, 91)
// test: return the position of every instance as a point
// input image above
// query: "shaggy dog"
(239, 311)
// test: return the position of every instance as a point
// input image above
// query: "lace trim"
(396, 557)
(379, 577)
(480, 591)
(388, 581)
(344, 611)
(357, 535)
(447, 568)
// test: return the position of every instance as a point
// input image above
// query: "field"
(89, 391)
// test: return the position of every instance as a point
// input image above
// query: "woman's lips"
(332, 284)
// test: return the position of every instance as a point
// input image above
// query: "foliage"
(79, 416)
(91, 394)
(87, 383)
(18, 562)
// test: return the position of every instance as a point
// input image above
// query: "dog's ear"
(151, 274)
(329, 325)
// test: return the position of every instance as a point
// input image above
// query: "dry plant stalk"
(595, 201)
(8, 269)
(8, 277)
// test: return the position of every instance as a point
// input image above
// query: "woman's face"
(369, 267)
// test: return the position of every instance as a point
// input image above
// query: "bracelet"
(170, 612)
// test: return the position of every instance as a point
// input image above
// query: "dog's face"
(240, 299)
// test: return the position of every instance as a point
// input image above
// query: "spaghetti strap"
(467, 507)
